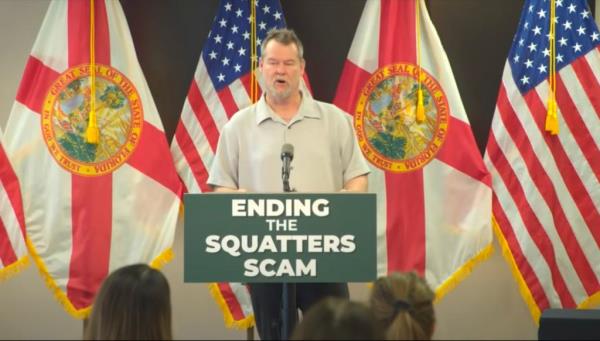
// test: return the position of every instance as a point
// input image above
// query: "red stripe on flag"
(185, 190)
(79, 33)
(529, 276)
(92, 230)
(405, 221)
(351, 82)
(150, 157)
(194, 161)
(579, 130)
(532, 224)
(459, 151)
(575, 186)
(7, 253)
(10, 182)
(404, 192)
(91, 196)
(585, 74)
(245, 79)
(397, 34)
(227, 101)
(36, 81)
(546, 188)
(231, 300)
(203, 115)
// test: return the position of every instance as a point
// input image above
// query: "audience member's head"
(337, 319)
(133, 304)
(403, 306)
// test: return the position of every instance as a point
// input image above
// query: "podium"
(569, 324)
(280, 238)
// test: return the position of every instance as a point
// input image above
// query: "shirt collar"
(307, 109)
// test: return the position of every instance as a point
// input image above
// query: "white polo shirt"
(326, 153)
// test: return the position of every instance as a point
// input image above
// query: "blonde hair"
(403, 305)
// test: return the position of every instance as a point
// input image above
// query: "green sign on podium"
(283, 237)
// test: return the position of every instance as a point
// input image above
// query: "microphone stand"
(286, 184)
(288, 290)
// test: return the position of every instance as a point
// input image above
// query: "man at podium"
(256, 148)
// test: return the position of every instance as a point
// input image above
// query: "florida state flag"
(433, 190)
(99, 187)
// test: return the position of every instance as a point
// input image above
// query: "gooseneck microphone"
(287, 155)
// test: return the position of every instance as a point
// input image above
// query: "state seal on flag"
(388, 131)
(65, 115)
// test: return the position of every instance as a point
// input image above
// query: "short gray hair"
(283, 36)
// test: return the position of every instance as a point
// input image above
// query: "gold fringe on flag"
(534, 310)
(591, 302)
(165, 257)
(60, 296)
(162, 259)
(552, 114)
(459, 275)
(420, 116)
(462, 273)
(14, 268)
(92, 134)
(245, 323)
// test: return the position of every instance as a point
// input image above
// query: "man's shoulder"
(331, 112)
(243, 117)
(329, 109)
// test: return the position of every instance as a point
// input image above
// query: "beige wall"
(486, 305)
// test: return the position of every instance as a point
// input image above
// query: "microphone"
(287, 155)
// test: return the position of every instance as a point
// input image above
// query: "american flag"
(221, 87)
(576, 35)
(546, 187)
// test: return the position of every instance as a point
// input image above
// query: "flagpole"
(85, 324)
(253, 93)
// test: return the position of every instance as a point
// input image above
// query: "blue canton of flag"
(227, 50)
(576, 34)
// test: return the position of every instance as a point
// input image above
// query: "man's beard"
(280, 95)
